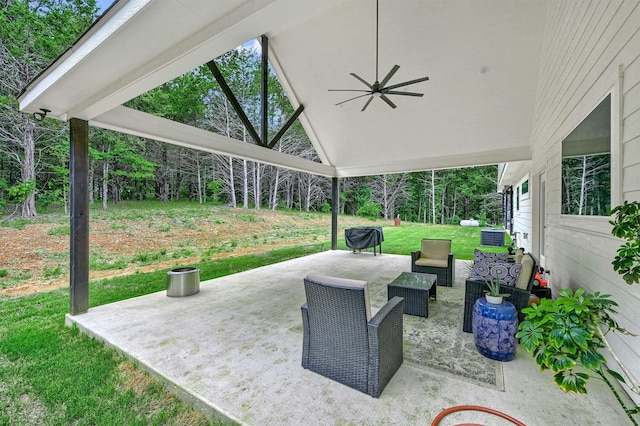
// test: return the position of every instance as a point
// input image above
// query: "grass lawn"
(406, 238)
(53, 375)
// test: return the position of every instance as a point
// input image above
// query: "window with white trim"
(586, 165)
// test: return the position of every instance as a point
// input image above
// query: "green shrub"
(104, 265)
(370, 210)
(60, 230)
(164, 228)
(250, 217)
(50, 272)
(15, 224)
(141, 257)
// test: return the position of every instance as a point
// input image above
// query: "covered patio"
(234, 351)
(493, 66)
(476, 109)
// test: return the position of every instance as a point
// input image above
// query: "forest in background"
(34, 155)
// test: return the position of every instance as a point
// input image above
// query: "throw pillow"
(482, 256)
(488, 271)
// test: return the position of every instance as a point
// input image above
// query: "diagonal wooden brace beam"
(234, 102)
(286, 126)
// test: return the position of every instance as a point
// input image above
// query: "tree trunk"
(289, 193)
(442, 203)
(245, 185)
(105, 183)
(455, 204)
(433, 196)
(232, 185)
(91, 182)
(385, 197)
(165, 175)
(199, 180)
(583, 184)
(343, 191)
(274, 199)
(29, 169)
(166, 191)
(257, 187)
(308, 197)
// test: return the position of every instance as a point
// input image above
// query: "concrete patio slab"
(230, 350)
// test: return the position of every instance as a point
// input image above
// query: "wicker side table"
(416, 289)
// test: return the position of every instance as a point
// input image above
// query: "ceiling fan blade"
(367, 104)
(389, 75)
(348, 90)
(388, 101)
(362, 80)
(406, 83)
(378, 88)
(360, 96)
(395, 92)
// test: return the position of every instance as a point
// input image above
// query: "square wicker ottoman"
(416, 289)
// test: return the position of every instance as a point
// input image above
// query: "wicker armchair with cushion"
(343, 341)
(516, 279)
(435, 257)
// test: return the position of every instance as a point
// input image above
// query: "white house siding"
(591, 49)
(522, 216)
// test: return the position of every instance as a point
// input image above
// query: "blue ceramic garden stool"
(494, 329)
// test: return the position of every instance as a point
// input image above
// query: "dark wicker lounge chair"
(474, 290)
(343, 342)
(435, 257)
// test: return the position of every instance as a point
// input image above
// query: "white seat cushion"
(525, 274)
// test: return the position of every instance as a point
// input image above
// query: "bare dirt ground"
(36, 257)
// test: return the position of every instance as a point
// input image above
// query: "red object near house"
(543, 283)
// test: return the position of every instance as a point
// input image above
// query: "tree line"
(34, 155)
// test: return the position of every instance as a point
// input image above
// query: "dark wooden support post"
(334, 213)
(79, 173)
(264, 93)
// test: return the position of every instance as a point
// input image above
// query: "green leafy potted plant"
(626, 225)
(566, 335)
(493, 295)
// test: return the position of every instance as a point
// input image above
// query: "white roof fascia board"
(131, 121)
(513, 172)
(79, 52)
(444, 162)
(214, 40)
(248, 21)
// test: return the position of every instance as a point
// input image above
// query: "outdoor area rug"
(438, 344)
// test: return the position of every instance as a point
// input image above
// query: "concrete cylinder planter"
(183, 282)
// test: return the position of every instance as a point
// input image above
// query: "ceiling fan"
(379, 89)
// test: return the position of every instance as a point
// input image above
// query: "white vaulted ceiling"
(482, 58)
